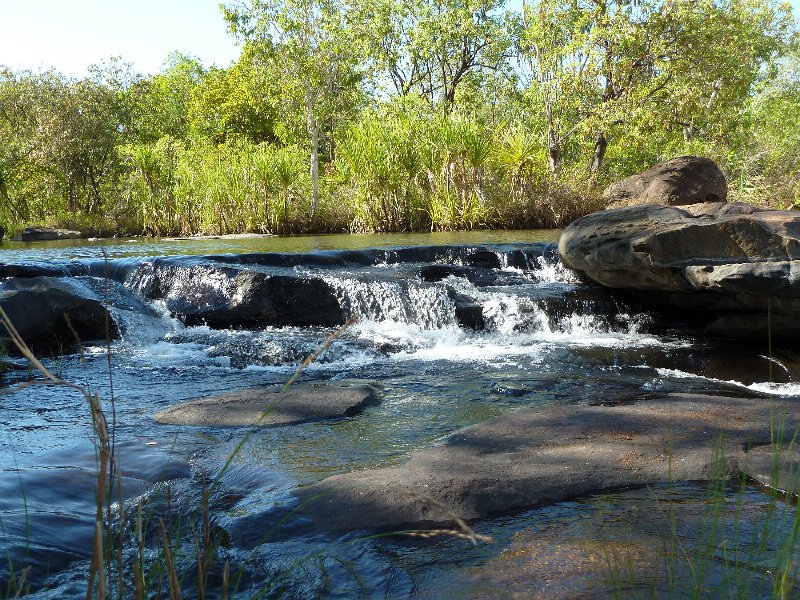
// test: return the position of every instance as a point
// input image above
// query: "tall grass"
(398, 167)
(730, 554)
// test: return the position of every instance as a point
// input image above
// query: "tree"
(601, 65)
(235, 103)
(311, 67)
(430, 47)
(160, 104)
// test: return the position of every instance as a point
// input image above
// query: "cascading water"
(453, 335)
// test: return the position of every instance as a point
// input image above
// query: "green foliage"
(395, 115)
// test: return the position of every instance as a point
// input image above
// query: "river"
(435, 376)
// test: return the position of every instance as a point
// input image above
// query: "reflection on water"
(144, 246)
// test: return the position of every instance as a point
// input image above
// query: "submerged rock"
(271, 406)
(54, 311)
(737, 263)
(41, 234)
(682, 180)
(541, 456)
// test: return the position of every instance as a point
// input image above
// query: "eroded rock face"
(541, 456)
(271, 406)
(738, 261)
(51, 310)
(682, 180)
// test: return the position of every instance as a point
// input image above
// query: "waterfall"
(405, 301)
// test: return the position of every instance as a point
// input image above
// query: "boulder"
(545, 455)
(735, 260)
(271, 406)
(53, 311)
(41, 234)
(682, 180)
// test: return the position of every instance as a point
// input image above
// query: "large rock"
(224, 297)
(271, 406)
(544, 455)
(41, 234)
(735, 260)
(682, 180)
(53, 311)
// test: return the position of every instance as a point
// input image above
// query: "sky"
(71, 35)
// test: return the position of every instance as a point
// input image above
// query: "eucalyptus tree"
(430, 47)
(160, 104)
(603, 66)
(235, 103)
(311, 62)
(21, 93)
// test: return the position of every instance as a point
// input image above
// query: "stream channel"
(546, 339)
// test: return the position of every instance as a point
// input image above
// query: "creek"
(546, 339)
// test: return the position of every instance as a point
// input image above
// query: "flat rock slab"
(541, 456)
(271, 407)
(778, 469)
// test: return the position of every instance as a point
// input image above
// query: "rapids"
(546, 338)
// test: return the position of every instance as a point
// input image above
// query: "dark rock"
(477, 277)
(682, 180)
(53, 311)
(468, 314)
(225, 297)
(736, 262)
(484, 259)
(33, 270)
(41, 234)
(271, 406)
(510, 389)
(540, 456)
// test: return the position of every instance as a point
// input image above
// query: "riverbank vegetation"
(384, 115)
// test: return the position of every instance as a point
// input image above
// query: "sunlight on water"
(540, 340)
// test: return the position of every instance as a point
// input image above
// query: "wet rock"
(33, 270)
(477, 277)
(510, 389)
(53, 311)
(541, 456)
(469, 314)
(271, 407)
(41, 234)
(229, 297)
(737, 262)
(682, 180)
(484, 259)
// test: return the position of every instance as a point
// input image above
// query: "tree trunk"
(553, 152)
(313, 130)
(314, 170)
(600, 145)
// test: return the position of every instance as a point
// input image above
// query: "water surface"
(436, 377)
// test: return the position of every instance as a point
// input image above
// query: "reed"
(730, 554)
